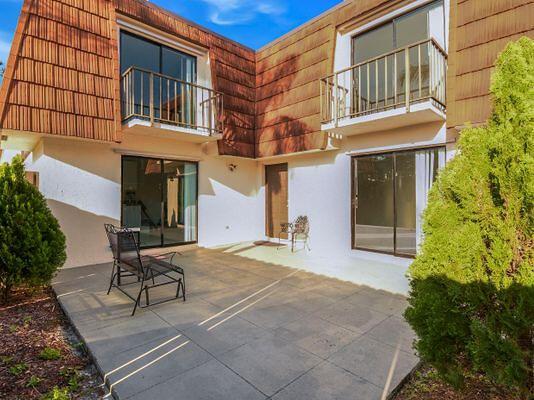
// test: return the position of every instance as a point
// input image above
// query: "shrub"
(32, 247)
(472, 285)
(49, 353)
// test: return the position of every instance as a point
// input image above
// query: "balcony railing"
(382, 83)
(163, 99)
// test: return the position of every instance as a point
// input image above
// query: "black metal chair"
(128, 261)
(299, 227)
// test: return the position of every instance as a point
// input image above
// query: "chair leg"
(112, 277)
(138, 299)
(146, 296)
(183, 285)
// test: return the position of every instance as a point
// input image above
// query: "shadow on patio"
(249, 329)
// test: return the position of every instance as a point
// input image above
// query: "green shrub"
(18, 369)
(472, 288)
(57, 394)
(49, 353)
(32, 247)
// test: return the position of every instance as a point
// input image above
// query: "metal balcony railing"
(159, 98)
(400, 78)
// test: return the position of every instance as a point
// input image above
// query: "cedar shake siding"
(62, 76)
(479, 31)
(59, 78)
(232, 67)
(287, 79)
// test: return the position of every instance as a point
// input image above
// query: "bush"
(32, 247)
(472, 285)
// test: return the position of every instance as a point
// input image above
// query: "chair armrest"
(163, 256)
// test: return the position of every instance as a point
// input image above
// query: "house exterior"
(131, 115)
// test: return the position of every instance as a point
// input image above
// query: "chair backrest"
(111, 233)
(128, 250)
(124, 247)
(301, 225)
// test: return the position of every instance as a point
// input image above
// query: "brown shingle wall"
(479, 31)
(288, 74)
(59, 77)
(233, 69)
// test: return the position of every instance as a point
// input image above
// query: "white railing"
(159, 98)
(382, 83)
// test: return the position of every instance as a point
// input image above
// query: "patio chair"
(299, 227)
(128, 261)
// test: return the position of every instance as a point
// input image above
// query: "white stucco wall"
(320, 183)
(81, 182)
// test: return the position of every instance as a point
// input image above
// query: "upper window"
(145, 54)
(418, 25)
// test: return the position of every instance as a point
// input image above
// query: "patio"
(248, 330)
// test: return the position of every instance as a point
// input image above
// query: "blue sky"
(251, 22)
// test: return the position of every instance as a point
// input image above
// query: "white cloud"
(235, 12)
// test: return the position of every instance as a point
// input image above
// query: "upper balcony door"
(383, 82)
(396, 77)
(159, 85)
(157, 96)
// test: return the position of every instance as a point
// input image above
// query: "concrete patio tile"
(78, 273)
(269, 363)
(393, 331)
(184, 315)
(94, 309)
(132, 332)
(303, 279)
(271, 312)
(379, 300)
(356, 318)
(203, 285)
(316, 335)
(230, 296)
(307, 301)
(336, 289)
(372, 360)
(209, 381)
(140, 369)
(328, 382)
(224, 337)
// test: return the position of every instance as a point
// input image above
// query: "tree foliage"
(472, 287)
(32, 246)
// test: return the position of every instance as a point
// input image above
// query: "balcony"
(401, 88)
(160, 105)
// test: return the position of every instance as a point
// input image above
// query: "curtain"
(190, 202)
(427, 164)
(172, 201)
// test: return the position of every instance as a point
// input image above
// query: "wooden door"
(275, 199)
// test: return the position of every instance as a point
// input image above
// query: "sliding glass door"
(159, 200)
(390, 192)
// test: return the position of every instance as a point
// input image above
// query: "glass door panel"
(141, 198)
(159, 199)
(374, 217)
(179, 202)
(405, 211)
(390, 195)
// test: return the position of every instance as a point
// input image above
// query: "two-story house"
(134, 116)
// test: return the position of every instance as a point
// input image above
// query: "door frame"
(161, 245)
(265, 166)
(393, 152)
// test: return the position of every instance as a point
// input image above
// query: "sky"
(251, 22)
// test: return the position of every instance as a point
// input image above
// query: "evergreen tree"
(472, 287)
(32, 246)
